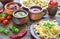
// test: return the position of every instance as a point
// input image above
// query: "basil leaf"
(48, 25)
(0, 15)
(14, 29)
(4, 15)
(6, 32)
(2, 29)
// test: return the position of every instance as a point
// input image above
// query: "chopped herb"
(48, 25)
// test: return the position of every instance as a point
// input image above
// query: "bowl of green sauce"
(20, 17)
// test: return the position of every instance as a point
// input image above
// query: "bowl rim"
(20, 11)
(10, 3)
(41, 10)
(39, 6)
(32, 31)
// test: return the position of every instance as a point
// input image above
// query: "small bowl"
(36, 14)
(10, 11)
(20, 20)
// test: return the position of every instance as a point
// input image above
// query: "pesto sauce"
(20, 14)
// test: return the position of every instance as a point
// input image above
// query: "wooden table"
(28, 35)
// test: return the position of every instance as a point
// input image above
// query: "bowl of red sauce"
(12, 6)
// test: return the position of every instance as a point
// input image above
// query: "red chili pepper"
(19, 35)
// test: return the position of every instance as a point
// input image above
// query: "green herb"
(0, 15)
(6, 32)
(58, 13)
(17, 30)
(3, 15)
(14, 29)
(58, 8)
(2, 30)
(48, 25)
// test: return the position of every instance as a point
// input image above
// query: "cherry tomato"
(5, 22)
(9, 17)
(52, 3)
(56, 3)
(2, 18)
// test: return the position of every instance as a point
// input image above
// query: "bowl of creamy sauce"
(20, 17)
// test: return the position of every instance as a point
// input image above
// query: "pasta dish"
(30, 3)
(47, 29)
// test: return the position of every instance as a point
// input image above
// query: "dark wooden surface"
(27, 26)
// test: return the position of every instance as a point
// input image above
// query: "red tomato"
(9, 17)
(52, 3)
(2, 18)
(56, 3)
(5, 22)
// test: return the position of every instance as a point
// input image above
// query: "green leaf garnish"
(2, 30)
(48, 25)
(0, 15)
(6, 32)
(14, 29)
(3, 15)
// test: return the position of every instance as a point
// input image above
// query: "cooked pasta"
(47, 29)
(30, 3)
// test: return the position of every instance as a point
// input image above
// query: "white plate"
(21, 1)
(32, 30)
